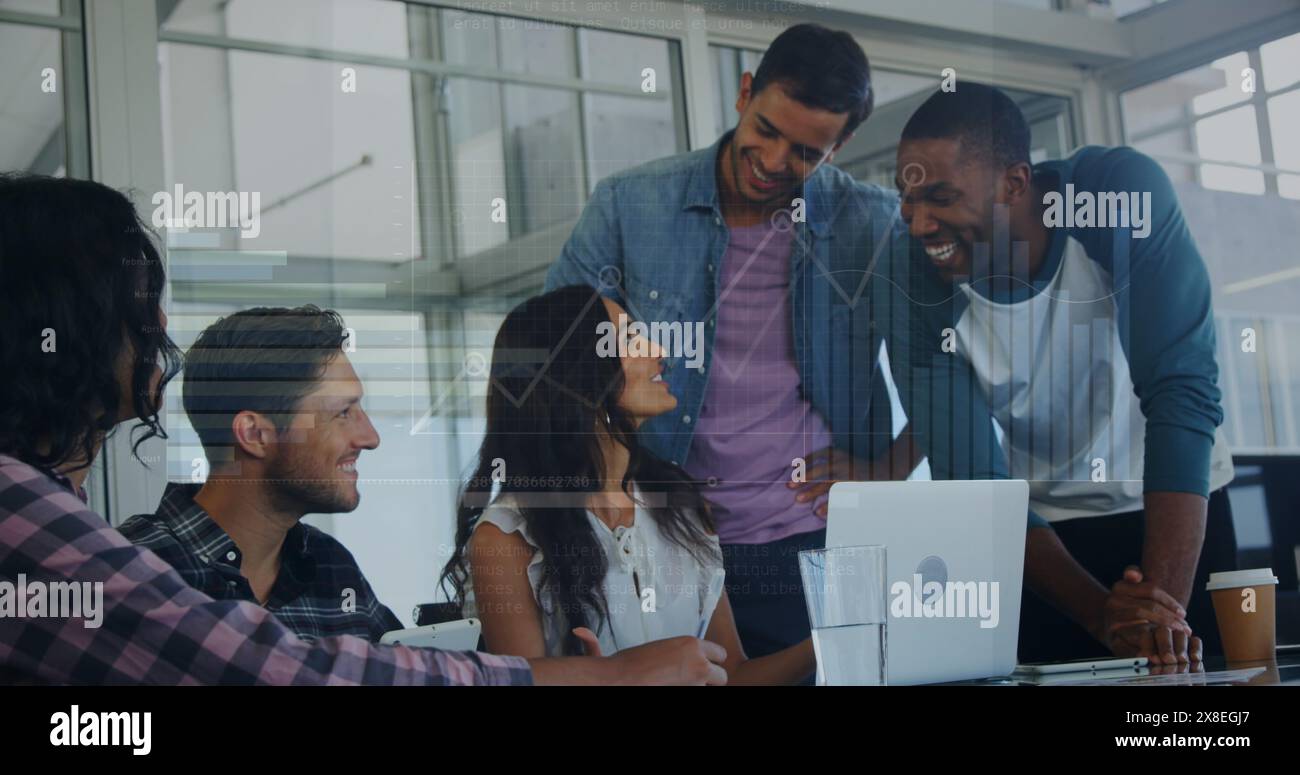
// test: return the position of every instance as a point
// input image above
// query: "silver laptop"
(955, 557)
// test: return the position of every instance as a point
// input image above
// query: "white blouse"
(677, 594)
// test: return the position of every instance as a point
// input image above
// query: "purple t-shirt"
(755, 421)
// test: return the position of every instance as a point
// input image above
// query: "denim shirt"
(653, 239)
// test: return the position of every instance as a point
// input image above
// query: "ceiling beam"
(1177, 36)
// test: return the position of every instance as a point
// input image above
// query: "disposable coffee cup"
(1245, 605)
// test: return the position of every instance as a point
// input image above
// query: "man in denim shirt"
(768, 248)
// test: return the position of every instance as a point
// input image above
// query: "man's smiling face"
(314, 464)
(778, 143)
(947, 201)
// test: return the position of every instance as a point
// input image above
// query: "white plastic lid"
(1240, 578)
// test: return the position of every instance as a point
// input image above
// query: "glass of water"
(845, 591)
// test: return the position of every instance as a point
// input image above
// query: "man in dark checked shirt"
(277, 406)
(84, 347)
(320, 590)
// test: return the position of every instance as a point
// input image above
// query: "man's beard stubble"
(294, 487)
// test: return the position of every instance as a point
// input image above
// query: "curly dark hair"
(80, 285)
(549, 398)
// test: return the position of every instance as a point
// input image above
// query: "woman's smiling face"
(645, 393)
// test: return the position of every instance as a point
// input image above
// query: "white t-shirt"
(674, 598)
(1058, 383)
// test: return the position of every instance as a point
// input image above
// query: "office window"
(1232, 136)
(358, 26)
(1284, 122)
(729, 64)
(545, 149)
(1231, 92)
(624, 131)
(42, 108)
(333, 170)
(1241, 380)
(1228, 135)
(31, 119)
(517, 143)
(1219, 113)
(477, 133)
(1281, 60)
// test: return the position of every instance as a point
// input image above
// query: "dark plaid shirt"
(320, 590)
(157, 629)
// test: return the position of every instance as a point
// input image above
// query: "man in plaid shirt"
(277, 406)
(84, 347)
(158, 629)
(319, 590)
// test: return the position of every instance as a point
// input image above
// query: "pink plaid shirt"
(155, 629)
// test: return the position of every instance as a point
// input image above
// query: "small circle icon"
(913, 174)
(782, 220)
(611, 277)
(475, 364)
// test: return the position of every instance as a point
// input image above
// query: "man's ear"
(745, 93)
(1018, 179)
(254, 434)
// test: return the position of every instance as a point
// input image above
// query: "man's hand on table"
(1141, 619)
(1178, 669)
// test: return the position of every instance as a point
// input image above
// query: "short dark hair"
(262, 360)
(985, 121)
(821, 68)
(80, 284)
